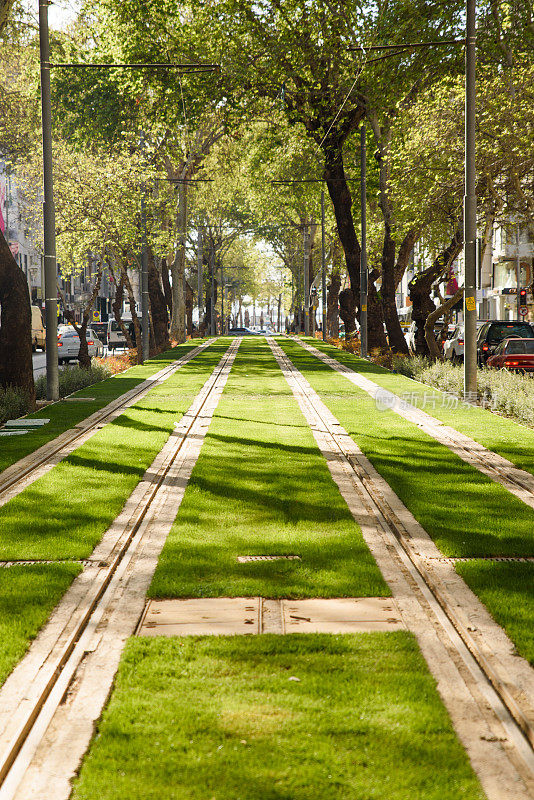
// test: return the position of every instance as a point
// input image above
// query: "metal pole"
(306, 284)
(470, 209)
(144, 283)
(363, 254)
(517, 274)
(199, 274)
(49, 214)
(212, 278)
(323, 265)
(222, 299)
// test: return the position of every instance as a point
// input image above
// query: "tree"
(17, 125)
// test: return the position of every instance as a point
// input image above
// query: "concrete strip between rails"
(410, 562)
(517, 481)
(17, 477)
(51, 702)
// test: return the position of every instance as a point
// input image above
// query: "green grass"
(261, 486)
(506, 437)
(507, 590)
(64, 513)
(465, 512)
(218, 718)
(27, 596)
(65, 415)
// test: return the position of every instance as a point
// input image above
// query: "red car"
(513, 354)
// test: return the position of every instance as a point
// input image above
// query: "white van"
(116, 337)
(38, 329)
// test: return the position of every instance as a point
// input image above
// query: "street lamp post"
(470, 208)
(199, 274)
(323, 266)
(363, 253)
(213, 318)
(49, 215)
(144, 284)
(306, 281)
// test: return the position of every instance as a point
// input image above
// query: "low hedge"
(506, 392)
(74, 378)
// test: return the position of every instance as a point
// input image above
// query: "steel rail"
(520, 482)
(22, 470)
(444, 609)
(61, 672)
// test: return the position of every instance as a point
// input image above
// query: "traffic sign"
(96, 316)
(523, 310)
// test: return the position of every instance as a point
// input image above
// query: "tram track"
(517, 481)
(504, 682)
(33, 693)
(17, 477)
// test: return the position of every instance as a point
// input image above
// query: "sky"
(61, 12)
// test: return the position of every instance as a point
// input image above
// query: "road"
(39, 361)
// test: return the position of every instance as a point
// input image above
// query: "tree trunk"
(332, 306)
(158, 306)
(349, 299)
(421, 285)
(432, 345)
(167, 291)
(397, 342)
(16, 366)
(84, 358)
(189, 309)
(135, 318)
(178, 268)
(117, 309)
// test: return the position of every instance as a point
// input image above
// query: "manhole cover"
(222, 616)
(245, 559)
(341, 615)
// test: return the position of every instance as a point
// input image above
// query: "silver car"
(68, 344)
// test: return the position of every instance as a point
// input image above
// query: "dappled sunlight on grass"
(65, 415)
(261, 486)
(27, 596)
(507, 589)
(465, 512)
(220, 717)
(65, 513)
(511, 440)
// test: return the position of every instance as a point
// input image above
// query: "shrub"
(13, 403)
(118, 363)
(72, 379)
(498, 389)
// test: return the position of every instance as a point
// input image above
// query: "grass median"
(298, 717)
(27, 596)
(64, 514)
(465, 512)
(64, 415)
(262, 487)
(507, 591)
(504, 436)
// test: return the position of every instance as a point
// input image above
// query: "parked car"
(101, 329)
(38, 329)
(242, 332)
(492, 333)
(514, 354)
(410, 335)
(68, 344)
(116, 338)
(453, 347)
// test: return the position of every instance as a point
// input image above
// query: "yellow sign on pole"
(470, 303)
(96, 316)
